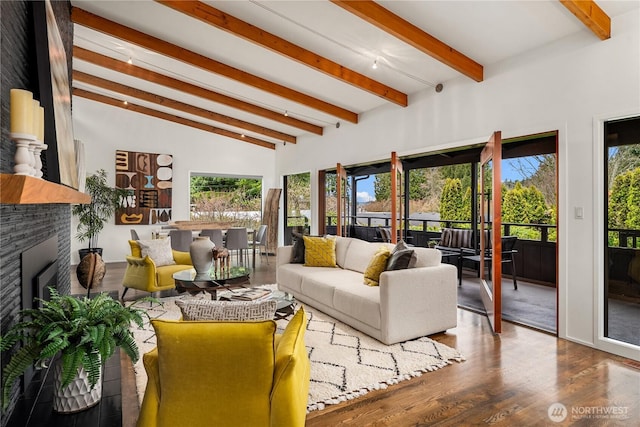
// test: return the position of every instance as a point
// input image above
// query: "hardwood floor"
(510, 380)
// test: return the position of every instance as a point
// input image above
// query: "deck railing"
(536, 259)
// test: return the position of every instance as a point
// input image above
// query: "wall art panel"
(148, 177)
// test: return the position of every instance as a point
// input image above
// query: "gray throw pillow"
(400, 246)
(402, 259)
(402, 256)
(298, 249)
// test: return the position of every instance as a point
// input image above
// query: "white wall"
(104, 129)
(563, 86)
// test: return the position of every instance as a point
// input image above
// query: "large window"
(228, 201)
(622, 254)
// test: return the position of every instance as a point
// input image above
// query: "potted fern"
(84, 333)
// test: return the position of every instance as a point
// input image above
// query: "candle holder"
(39, 149)
(23, 158)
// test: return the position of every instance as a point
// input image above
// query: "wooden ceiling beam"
(591, 15)
(237, 27)
(386, 20)
(177, 105)
(170, 117)
(178, 53)
(153, 77)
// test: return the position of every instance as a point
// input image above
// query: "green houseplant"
(93, 216)
(84, 332)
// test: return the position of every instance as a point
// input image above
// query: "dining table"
(164, 233)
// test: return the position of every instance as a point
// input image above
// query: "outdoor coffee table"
(233, 277)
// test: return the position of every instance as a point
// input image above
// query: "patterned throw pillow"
(402, 257)
(319, 251)
(376, 266)
(402, 260)
(241, 311)
(159, 250)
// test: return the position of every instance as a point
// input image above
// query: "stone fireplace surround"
(24, 226)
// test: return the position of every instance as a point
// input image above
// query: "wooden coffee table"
(188, 281)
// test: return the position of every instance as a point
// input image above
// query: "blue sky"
(366, 193)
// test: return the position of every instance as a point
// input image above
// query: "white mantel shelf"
(24, 190)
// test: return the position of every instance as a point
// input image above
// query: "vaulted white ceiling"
(486, 32)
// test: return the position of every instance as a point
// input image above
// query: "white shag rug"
(345, 363)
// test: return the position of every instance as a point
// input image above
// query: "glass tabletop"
(219, 274)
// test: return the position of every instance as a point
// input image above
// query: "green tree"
(461, 172)
(537, 210)
(298, 195)
(525, 205)
(382, 186)
(451, 201)
(419, 186)
(633, 201)
(622, 159)
(466, 205)
(514, 205)
(618, 195)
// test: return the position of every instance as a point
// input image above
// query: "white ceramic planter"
(78, 395)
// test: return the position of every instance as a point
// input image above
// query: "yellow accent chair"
(213, 373)
(143, 274)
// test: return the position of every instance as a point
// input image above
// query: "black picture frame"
(54, 86)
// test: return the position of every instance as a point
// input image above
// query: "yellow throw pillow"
(376, 266)
(319, 251)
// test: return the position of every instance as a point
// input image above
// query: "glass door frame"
(491, 295)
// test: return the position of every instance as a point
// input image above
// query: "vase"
(91, 271)
(78, 395)
(201, 251)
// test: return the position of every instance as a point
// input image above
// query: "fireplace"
(39, 267)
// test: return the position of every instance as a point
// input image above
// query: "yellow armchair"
(209, 373)
(143, 274)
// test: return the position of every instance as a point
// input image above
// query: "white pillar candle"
(21, 111)
(40, 134)
(35, 124)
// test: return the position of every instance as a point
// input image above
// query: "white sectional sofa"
(408, 304)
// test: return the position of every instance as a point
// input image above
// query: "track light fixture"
(286, 113)
(130, 61)
(375, 64)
